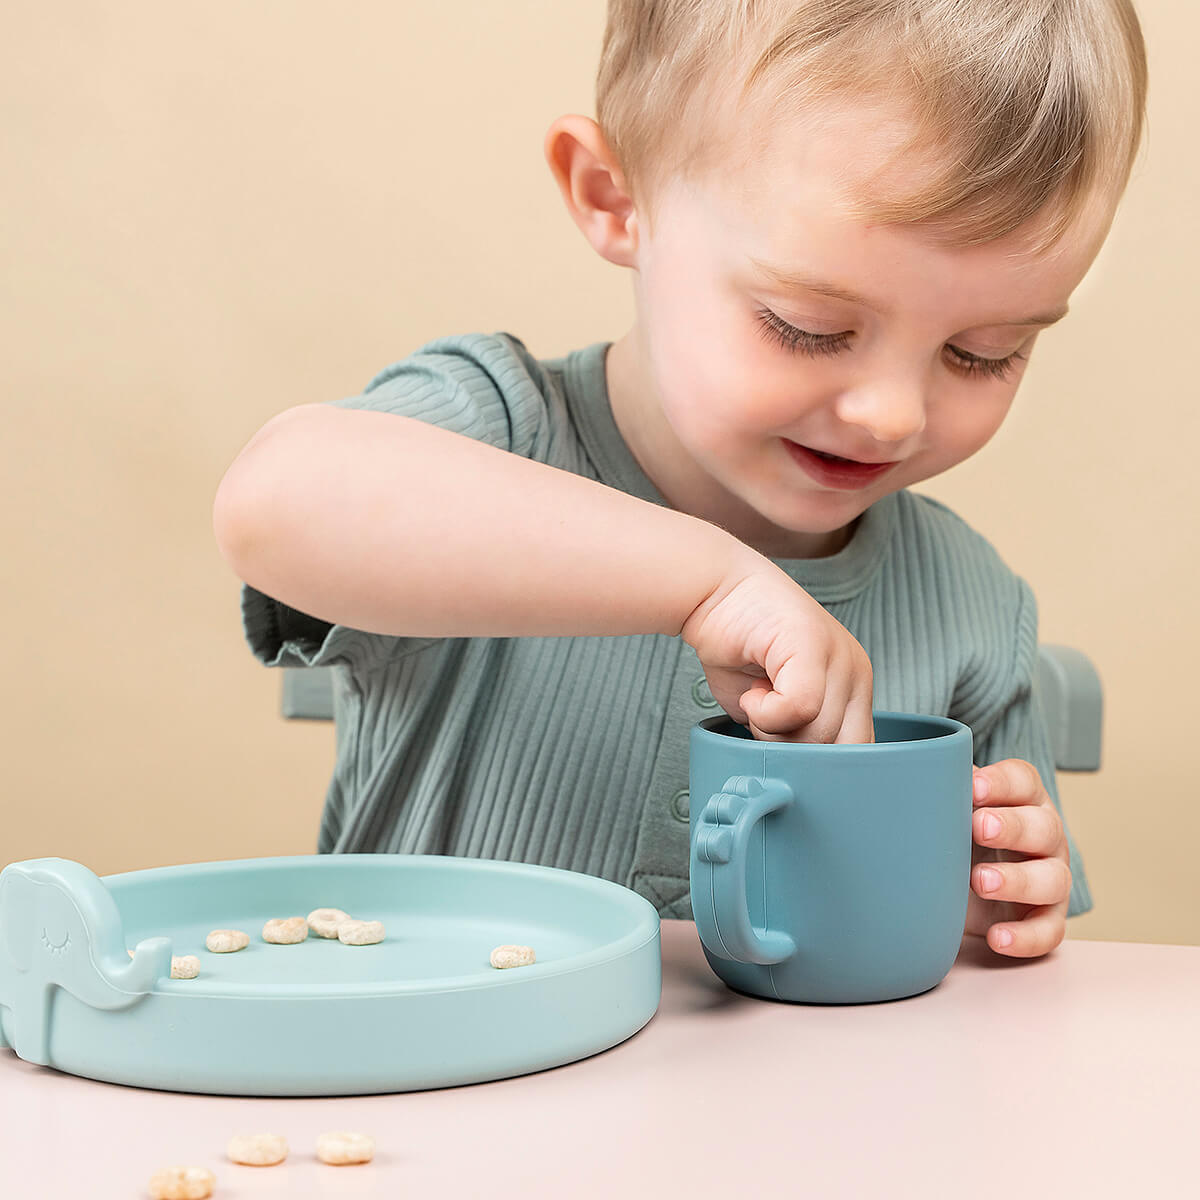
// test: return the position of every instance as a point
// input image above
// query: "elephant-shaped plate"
(422, 1009)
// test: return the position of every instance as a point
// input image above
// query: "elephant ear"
(26, 887)
(16, 914)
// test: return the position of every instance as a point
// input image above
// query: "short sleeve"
(483, 386)
(1019, 731)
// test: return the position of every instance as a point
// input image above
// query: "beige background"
(212, 213)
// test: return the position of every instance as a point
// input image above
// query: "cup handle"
(719, 845)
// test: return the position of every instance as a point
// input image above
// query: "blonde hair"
(1032, 106)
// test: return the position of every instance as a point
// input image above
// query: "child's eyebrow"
(1042, 319)
(797, 281)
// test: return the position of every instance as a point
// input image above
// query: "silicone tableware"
(827, 873)
(421, 1009)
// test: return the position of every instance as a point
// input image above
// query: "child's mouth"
(832, 470)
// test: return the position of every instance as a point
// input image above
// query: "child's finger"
(1027, 829)
(795, 707)
(775, 718)
(1012, 781)
(1035, 881)
(786, 711)
(1036, 934)
(858, 727)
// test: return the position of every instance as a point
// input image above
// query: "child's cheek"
(691, 352)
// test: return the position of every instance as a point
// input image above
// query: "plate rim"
(645, 920)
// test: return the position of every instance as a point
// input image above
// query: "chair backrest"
(307, 694)
(1072, 701)
(1067, 684)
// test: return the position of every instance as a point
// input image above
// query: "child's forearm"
(395, 526)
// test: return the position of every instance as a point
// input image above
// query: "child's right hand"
(778, 662)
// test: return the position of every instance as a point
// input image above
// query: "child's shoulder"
(486, 386)
(978, 604)
(954, 549)
(500, 360)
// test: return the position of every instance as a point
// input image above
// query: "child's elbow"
(252, 493)
(231, 518)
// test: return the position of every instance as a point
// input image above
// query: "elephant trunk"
(126, 980)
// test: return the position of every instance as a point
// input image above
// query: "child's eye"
(776, 329)
(972, 365)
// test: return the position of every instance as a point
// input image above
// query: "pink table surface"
(1076, 1075)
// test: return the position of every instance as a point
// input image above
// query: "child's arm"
(395, 526)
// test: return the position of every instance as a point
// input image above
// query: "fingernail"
(981, 789)
(1003, 937)
(991, 825)
(989, 880)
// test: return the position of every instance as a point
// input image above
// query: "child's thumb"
(772, 717)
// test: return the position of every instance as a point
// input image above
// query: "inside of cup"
(889, 727)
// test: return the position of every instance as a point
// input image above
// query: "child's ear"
(594, 188)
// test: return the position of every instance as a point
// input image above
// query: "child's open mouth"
(833, 471)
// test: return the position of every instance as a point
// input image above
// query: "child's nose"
(890, 410)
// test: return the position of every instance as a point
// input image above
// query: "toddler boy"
(847, 222)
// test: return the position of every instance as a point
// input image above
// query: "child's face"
(917, 372)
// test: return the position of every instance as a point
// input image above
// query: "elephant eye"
(56, 947)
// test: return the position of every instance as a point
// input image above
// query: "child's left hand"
(1027, 902)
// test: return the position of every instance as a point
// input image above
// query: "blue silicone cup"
(832, 874)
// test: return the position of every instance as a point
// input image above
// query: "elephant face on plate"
(62, 929)
(61, 925)
(37, 919)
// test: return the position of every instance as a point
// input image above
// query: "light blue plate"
(422, 1009)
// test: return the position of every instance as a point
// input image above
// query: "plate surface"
(424, 1008)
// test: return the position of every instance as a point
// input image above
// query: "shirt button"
(679, 805)
(702, 693)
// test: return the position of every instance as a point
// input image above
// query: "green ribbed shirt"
(573, 751)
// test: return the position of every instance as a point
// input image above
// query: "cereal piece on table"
(512, 956)
(360, 933)
(227, 941)
(285, 931)
(341, 1149)
(324, 922)
(182, 1183)
(257, 1149)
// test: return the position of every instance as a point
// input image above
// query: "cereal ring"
(360, 933)
(340, 1148)
(324, 922)
(185, 966)
(226, 941)
(512, 956)
(257, 1149)
(285, 931)
(182, 1183)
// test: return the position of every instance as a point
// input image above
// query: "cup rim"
(947, 727)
